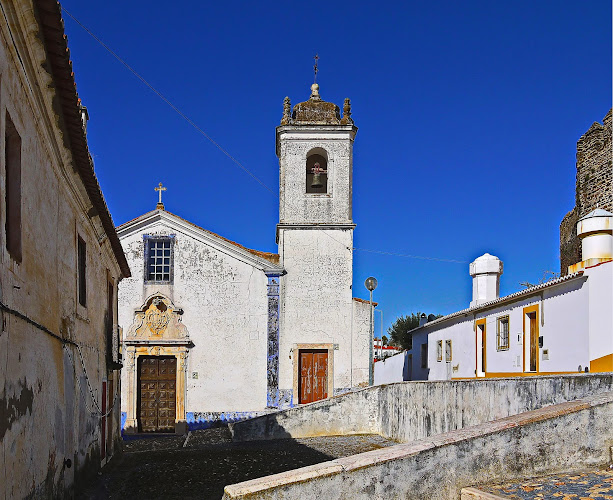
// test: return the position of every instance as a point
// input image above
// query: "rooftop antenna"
(315, 69)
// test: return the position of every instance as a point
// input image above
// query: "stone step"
(475, 494)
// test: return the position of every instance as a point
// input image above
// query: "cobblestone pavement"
(589, 485)
(171, 467)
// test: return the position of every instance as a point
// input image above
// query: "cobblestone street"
(199, 467)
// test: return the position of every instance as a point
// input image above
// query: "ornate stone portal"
(157, 330)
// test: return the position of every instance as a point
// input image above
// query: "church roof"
(272, 258)
(71, 121)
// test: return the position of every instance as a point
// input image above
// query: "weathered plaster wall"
(295, 204)
(351, 413)
(594, 187)
(46, 412)
(407, 411)
(564, 437)
(225, 312)
(315, 237)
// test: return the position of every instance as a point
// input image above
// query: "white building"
(285, 326)
(561, 326)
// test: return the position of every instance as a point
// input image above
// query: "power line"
(381, 252)
(175, 108)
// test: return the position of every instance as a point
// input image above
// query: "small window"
(439, 350)
(82, 271)
(424, 355)
(159, 259)
(448, 353)
(12, 157)
(316, 174)
(502, 333)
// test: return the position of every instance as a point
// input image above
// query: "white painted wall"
(390, 369)
(315, 237)
(225, 311)
(563, 323)
(600, 279)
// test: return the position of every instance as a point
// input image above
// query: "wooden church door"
(313, 369)
(157, 379)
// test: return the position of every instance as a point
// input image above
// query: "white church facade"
(215, 332)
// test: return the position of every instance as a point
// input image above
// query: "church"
(213, 332)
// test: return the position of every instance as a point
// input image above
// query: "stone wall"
(564, 437)
(407, 411)
(594, 187)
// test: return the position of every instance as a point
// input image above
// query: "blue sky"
(468, 117)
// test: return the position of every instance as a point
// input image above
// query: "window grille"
(159, 259)
(502, 333)
(439, 350)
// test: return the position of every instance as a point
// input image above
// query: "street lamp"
(371, 284)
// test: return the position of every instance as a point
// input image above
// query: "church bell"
(317, 171)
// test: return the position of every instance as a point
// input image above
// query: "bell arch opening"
(317, 171)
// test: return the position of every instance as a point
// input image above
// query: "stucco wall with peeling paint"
(47, 415)
(224, 303)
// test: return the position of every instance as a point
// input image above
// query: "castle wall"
(594, 187)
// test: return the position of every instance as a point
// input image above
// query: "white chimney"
(486, 271)
(423, 319)
(596, 233)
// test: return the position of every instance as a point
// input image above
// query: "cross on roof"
(316, 58)
(159, 189)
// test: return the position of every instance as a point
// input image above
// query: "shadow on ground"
(170, 467)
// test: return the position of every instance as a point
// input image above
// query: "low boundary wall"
(407, 411)
(562, 437)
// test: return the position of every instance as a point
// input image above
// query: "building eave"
(49, 15)
(533, 290)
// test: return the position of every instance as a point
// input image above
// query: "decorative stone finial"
(346, 113)
(287, 111)
(315, 92)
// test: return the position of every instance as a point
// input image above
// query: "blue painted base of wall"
(197, 420)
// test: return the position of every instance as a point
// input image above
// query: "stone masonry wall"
(594, 187)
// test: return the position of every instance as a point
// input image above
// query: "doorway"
(313, 369)
(157, 393)
(531, 338)
(481, 343)
(534, 338)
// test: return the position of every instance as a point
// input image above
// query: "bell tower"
(315, 150)
(314, 144)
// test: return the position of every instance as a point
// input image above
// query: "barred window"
(448, 353)
(439, 350)
(502, 333)
(159, 259)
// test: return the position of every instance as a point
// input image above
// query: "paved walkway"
(171, 467)
(589, 485)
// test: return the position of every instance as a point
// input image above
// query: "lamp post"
(371, 284)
